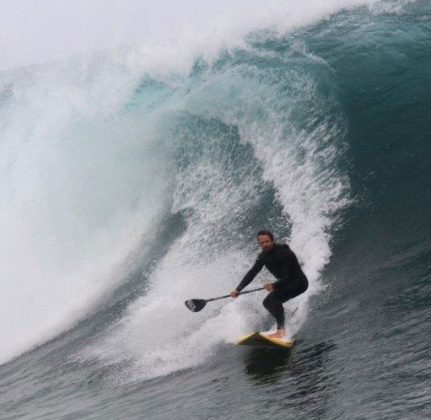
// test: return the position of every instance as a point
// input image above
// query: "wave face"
(129, 186)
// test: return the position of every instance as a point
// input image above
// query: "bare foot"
(278, 334)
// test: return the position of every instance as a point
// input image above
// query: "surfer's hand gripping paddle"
(196, 305)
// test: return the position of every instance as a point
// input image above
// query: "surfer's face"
(265, 242)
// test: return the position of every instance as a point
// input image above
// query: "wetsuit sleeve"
(251, 274)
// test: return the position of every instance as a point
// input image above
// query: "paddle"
(196, 305)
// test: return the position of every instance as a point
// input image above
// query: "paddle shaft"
(241, 293)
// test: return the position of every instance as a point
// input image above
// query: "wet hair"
(266, 233)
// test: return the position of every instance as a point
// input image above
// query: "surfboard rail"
(261, 339)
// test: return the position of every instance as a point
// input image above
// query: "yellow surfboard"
(261, 339)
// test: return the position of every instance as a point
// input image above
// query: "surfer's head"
(265, 238)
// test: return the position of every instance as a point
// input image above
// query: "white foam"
(76, 196)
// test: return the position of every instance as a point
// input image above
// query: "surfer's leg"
(273, 304)
(267, 303)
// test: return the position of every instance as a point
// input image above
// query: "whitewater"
(135, 175)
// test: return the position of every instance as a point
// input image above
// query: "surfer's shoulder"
(282, 248)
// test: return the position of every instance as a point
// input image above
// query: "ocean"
(137, 178)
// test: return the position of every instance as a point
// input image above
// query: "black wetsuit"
(291, 280)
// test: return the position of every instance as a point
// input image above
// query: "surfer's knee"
(271, 301)
(267, 303)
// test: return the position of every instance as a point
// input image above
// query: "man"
(291, 281)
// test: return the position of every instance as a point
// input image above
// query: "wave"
(100, 153)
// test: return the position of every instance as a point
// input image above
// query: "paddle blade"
(195, 305)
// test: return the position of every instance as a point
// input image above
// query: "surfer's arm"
(251, 274)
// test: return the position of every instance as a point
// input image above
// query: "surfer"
(281, 261)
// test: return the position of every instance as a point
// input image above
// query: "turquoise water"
(121, 203)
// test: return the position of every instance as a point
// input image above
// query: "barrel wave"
(129, 186)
